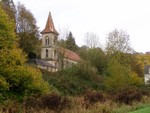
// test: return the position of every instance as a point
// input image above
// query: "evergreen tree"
(70, 42)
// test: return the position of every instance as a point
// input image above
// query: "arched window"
(46, 53)
(55, 54)
(47, 40)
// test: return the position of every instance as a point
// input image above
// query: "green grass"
(143, 110)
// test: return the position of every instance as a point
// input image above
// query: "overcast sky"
(97, 16)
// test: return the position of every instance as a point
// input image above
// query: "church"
(54, 57)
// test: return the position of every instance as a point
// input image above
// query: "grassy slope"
(143, 110)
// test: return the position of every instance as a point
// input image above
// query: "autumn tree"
(16, 79)
(122, 69)
(118, 41)
(9, 8)
(27, 31)
(7, 36)
(119, 77)
(97, 58)
(118, 46)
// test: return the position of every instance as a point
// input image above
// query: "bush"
(119, 76)
(128, 96)
(23, 81)
(74, 80)
(145, 90)
(51, 101)
(92, 97)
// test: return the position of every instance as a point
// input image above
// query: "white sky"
(97, 16)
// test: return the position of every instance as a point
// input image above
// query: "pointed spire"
(49, 27)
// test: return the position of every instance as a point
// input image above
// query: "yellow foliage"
(120, 76)
(7, 35)
(12, 57)
(15, 75)
(38, 84)
(143, 58)
(135, 80)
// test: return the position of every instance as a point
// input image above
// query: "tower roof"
(49, 27)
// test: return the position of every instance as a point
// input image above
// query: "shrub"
(23, 81)
(92, 97)
(127, 96)
(145, 90)
(74, 80)
(120, 76)
(51, 101)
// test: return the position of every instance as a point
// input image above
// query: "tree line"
(19, 41)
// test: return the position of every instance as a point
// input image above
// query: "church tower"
(49, 43)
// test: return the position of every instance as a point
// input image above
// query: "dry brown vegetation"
(90, 102)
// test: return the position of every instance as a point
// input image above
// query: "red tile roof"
(70, 54)
(49, 28)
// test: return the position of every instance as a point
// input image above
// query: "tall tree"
(122, 67)
(70, 42)
(27, 31)
(98, 59)
(118, 41)
(7, 36)
(16, 79)
(9, 8)
(25, 20)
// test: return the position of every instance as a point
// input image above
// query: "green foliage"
(22, 81)
(83, 50)
(97, 58)
(120, 76)
(75, 80)
(143, 59)
(9, 8)
(7, 34)
(70, 43)
(130, 60)
(117, 76)
(25, 20)
(28, 32)
(16, 79)
(30, 44)
(144, 110)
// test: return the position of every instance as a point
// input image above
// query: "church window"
(55, 54)
(46, 53)
(47, 40)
